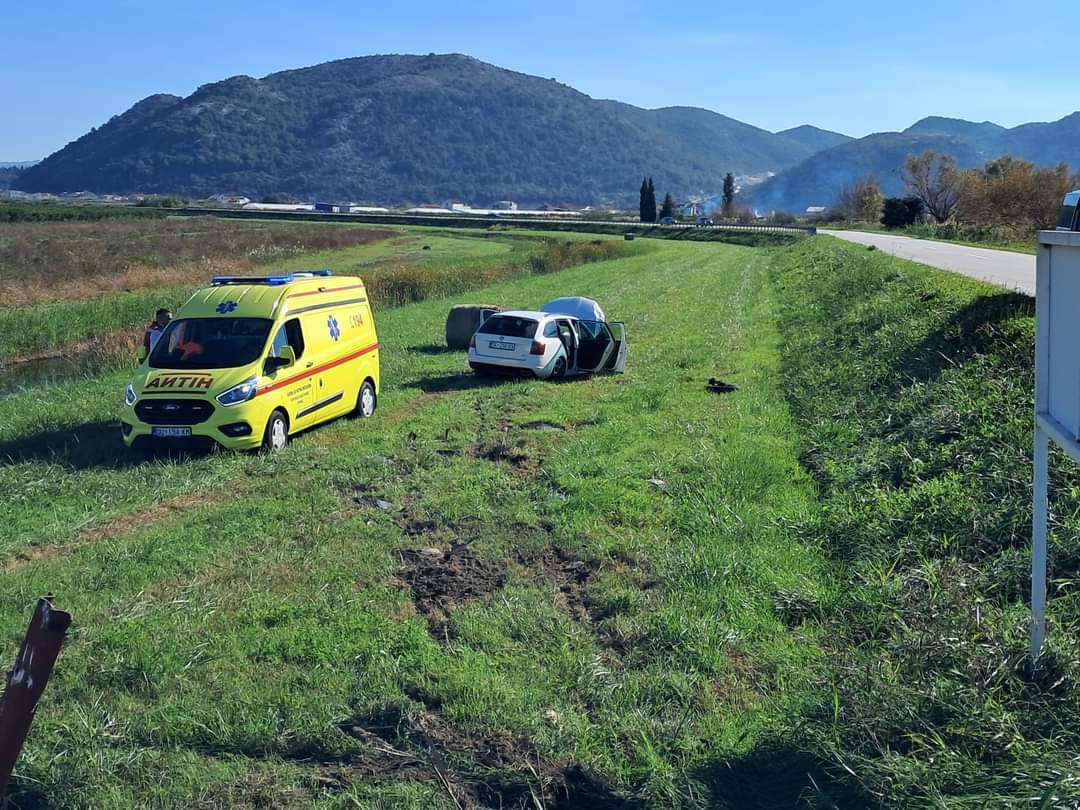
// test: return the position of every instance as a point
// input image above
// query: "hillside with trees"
(820, 179)
(814, 138)
(398, 129)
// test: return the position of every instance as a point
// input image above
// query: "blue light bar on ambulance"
(273, 281)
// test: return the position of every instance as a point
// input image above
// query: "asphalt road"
(1015, 271)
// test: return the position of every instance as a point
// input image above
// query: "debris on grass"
(368, 502)
(541, 424)
(720, 387)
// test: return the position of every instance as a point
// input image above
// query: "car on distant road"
(546, 345)
(703, 220)
(668, 221)
(1070, 213)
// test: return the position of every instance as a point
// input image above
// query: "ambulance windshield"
(199, 343)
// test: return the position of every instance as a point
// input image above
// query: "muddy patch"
(497, 769)
(515, 455)
(568, 572)
(442, 580)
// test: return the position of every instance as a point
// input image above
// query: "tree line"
(647, 202)
(1013, 196)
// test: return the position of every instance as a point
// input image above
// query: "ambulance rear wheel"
(366, 400)
(277, 432)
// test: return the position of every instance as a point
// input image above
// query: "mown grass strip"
(254, 646)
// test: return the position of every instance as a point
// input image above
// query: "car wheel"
(366, 400)
(277, 432)
(559, 371)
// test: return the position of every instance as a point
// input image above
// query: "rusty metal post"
(27, 680)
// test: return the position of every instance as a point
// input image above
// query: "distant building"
(816, 209)
(255, 206)
(230, 199)
(505, 205)
(690, 208)
(427, 208)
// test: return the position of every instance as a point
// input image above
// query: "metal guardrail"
(554, 223)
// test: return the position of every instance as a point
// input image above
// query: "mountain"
(729, 144)
(819, 179)
(395, 129)
(8, 175)
(1048, 143)
(814, 139)
(986, 133)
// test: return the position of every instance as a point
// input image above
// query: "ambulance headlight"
(239, 393)
(129, 395)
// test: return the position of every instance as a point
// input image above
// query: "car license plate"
(170, 432)
(498, 344)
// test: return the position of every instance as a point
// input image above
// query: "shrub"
(558, 255)
(14, 212)
(861, 201)
(900, 212)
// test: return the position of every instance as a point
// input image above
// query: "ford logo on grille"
(170, 407)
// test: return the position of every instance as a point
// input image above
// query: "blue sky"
(68, 66)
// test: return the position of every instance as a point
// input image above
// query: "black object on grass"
(719, 386)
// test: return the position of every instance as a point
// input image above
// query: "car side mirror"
(285, 358)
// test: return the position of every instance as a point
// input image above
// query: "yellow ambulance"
(251, 360)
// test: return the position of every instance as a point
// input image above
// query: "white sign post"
(1057, 391)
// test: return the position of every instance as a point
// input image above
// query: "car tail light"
(472, 341)
(537, 347)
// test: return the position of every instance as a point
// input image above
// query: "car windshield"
(509, 326)
(200, 343)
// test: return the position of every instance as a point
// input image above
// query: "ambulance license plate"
(498, 344)
(170, 432)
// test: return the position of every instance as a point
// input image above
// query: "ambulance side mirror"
(286, 357)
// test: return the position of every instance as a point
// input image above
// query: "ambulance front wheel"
(366, 400)
(277, 432)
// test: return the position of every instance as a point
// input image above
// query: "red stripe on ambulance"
(317, 370)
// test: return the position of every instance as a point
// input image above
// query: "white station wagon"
(546, 345)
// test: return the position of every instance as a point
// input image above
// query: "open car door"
(617, 361)
(596, 345)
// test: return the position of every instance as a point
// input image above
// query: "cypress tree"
(669, 207)
(650, 203)
(729, 196)
(643, 200)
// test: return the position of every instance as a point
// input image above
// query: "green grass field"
(619, 592)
